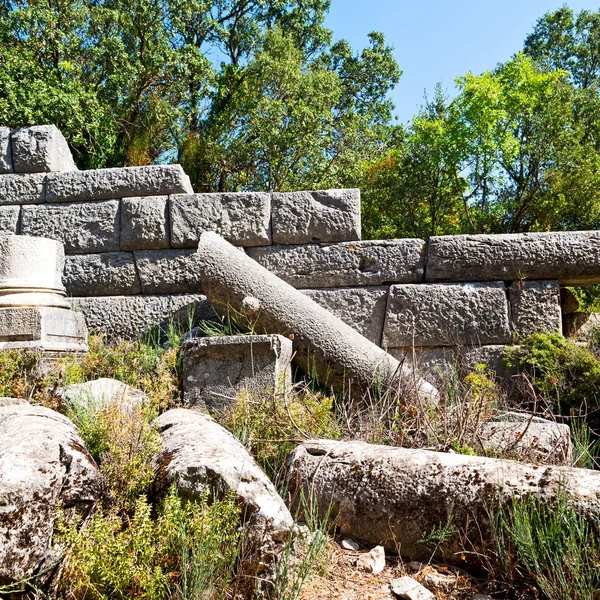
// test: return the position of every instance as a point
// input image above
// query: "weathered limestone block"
(531, 438)
(40, 149)
(21, 188)
(198, 454)
(120, 182)
(446, 314)
(9, 219)
(145, 223)
(43, 465)
(339, 355)
(435, 364)
(81, 226)
(491, 356)
(346, 264)
(321, 216)
(168, 271)
(104, 274)
(42, 327)
(535, 307)
(101, 392)
(572, 257)
(215, 369)
(393, 496)
(242, 218)
(363, 308)
(131, 316)
(6, 165)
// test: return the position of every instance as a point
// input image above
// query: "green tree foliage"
(518, 148)
(246, 94)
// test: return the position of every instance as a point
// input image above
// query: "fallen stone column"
(324, 344)
(396, 496)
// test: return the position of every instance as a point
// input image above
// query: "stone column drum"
(34, 310)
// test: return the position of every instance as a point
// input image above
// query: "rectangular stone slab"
(572, 257)
(6, 165)
(121, 182)
(242, 218)
(215, 369)
(103, 274)
(130, 316)
(447, 314)
(145, 223)
(23, 188)
(81, 227)
(320, 216)
(168, 271)
(346, 264)
(535, 307)
(9, 219)
(363, 308)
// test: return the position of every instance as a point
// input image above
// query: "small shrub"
(187, 552)
(565, 374)
(21, 376)
(548, 545)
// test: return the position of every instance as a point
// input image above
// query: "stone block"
(346, 264)
(20, 188)
(40, 149)
(491, 356)
(81, 226)
(572, 257)
(447, 314)
(535, 307)
(435, 364)
(215, 369)
(120, 182)
(9, 218)
(145, 223)
(103, 274)
(168, 271)
(321, 216)
(242, 218)
(43, 327)
(363, 308)
(6, 165)
(130, 317)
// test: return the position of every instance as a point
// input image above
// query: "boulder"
(6, 165)
(242, 218)
(103, 274)
(321, 216)
(338, 355)
(396, 496)
(43, 465)
(215, 369)
(81, 227)
(446, 314)
(572, 257)
(40, 149)
(198, 454)
(346, 264)
(119, 182)
(145, 223)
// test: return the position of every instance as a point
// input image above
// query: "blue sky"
(438, 40)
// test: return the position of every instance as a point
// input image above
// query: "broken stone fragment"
(43, 466)
(409, 589)
(40, 149)
(372, 562)
(100, 392)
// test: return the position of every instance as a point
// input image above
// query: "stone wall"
(130, 236)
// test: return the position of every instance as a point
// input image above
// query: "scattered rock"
(43, 465)
(350, 544)
(99, 392)
(409, 589)
(373, 561)
(439, 581)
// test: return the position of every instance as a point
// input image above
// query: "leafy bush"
(187, 552)
(549, 545)
(565, 374)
